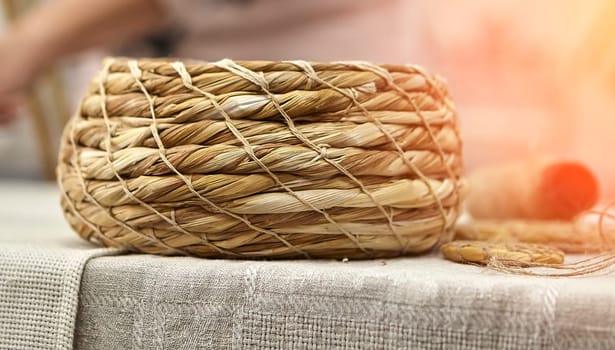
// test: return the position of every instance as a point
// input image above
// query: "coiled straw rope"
(263, 159)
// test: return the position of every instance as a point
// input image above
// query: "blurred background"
(528, 77)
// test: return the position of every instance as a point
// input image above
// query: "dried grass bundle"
(263, 159)
(509, 254)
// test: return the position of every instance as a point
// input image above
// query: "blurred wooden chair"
(48, 115)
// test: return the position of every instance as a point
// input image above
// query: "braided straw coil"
(263, 159)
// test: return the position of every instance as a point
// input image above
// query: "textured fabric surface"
(148, 302)
(39, 289)
(41, 263)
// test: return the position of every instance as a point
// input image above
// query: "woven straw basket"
(263, 159)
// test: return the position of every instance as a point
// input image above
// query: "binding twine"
(534, 248)
(263, 159)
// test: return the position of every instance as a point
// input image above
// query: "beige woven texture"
(263, 159)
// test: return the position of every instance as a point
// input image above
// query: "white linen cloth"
(150, 302)
(41, 264)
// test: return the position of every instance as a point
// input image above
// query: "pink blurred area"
(529, 77)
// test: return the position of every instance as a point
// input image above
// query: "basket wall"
(263, 159)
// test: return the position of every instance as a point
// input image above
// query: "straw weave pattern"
(263, 159)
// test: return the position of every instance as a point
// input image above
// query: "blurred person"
(212, 29)
(60, 28)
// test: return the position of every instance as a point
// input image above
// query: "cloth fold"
(39, 293)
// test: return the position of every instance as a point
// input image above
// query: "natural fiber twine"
(530, 247)
(263, 159)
